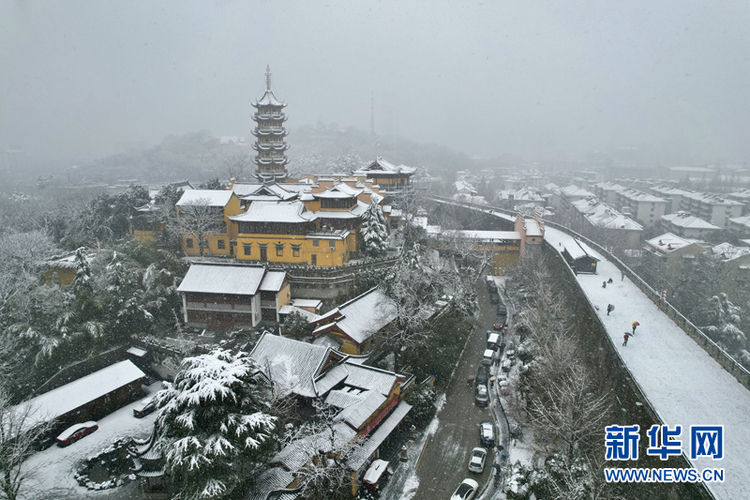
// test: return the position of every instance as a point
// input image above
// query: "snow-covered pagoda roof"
(686, 220)
(362, 316)
(268, 211)
(270, 191)
(209, 197)
(57, 402)
(222, 279)
(339, 191)
(268, 99)
(380, 166)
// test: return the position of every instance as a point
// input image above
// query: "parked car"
(145, 407)
(481, 395)
(493, 341)
(502, 310)
(487, 433)
(76, 432)
(478, 457)
(483, 375)
(488, 357)
(466, 490)
(499, 323)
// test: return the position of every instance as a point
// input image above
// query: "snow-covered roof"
(712, 199)
(532, 227)
(295, 455)
(222, 279)
(314, 303)
(208, 197)
(58, 402)
(727, 251)
(272, 190)
(356, 211)
(272, 281)
(359, 412)
(272, 479)
(574, 191)
(609, 186)
(373, 442)
(383, 167)
(669, 242)
(602, 215)
(481, 236)
(742, 221)
(520, 195)
(636, 195)
(578, 249)
(684, 219)
(339, 191)
(267, 211)
(268, 99)
(464, 186)
(364, 315)
(310, 317)
(293, 364)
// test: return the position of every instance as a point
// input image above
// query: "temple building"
(269, 131)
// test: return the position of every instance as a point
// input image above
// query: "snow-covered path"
(683, 383)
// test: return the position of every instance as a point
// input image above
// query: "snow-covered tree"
(374, 230)
(199, 219)
(213, 423)
(17, 443)
(723, 319)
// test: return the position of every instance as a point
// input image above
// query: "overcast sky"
(77, 77)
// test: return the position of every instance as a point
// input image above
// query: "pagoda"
(270, 132)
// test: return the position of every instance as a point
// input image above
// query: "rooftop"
(269, 211)
(223, 279)
(668, 242)
(209, 197)
(685, 220)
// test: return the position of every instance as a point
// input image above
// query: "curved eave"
(268, 161)
(270, 147)
(280, 133)
(258, 117)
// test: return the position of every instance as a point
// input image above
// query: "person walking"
(604, 284)
(625, 338)
(609, 280)
(622, 275)
(635, 325)
(610, 308)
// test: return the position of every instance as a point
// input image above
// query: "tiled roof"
(209, 197)
(223, 279)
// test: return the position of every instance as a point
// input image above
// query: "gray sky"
(528, 77)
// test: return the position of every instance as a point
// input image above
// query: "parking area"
(51, 471)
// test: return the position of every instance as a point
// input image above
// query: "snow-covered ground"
(53, 469)
(683, 383)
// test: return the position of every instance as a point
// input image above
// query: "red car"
(499, 323)
(76, 432)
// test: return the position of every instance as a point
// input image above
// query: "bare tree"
(19, 432)
(198, 218)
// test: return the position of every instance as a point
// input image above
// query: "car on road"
(76, 432)
(499, 323)
(478, 457)
(487, 433)
(466, 490)
(488, 357)
(481, 395)
(145, 407)
(502, 310)
(483, 375)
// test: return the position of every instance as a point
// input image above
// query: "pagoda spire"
(270, 132)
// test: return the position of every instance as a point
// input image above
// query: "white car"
(476, 462)
(466, 490)
(487, 433)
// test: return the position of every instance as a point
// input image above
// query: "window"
(221, 244)
(247, 248)
(332, 244)
(316, 243)
(295, 250)
(189, 243)
(280, 250)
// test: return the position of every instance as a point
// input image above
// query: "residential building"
(712, 208)
(591, 213)
(645, 208)
(739, 225)
(222, 296)
(672, 195)
(354, 326)
(607, 192)
(205, 221)
(688, 226)
(269, 131)
(735, 270)
(512, 199)
(742, 197)
(673, 251)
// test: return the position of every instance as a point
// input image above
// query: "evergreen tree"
(723, 318)
(213, 423)
(374, 230)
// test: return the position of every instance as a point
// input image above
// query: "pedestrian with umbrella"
(635, 325)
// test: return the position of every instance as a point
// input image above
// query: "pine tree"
(723, 318)
(213, 425)
(374, 230)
